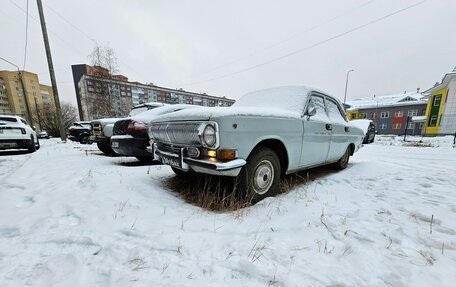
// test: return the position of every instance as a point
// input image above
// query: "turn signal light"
(227, 154)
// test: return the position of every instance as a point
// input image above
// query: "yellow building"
(12, 95)
(441, 107)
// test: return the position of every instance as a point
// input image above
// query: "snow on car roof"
(291, 98)
(150, 114)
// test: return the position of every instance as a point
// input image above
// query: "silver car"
(264, 135)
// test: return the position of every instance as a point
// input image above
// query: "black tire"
(145, 159)
(342, 163)
(180, 172)
(32, 146)
(37, 145)
(84, 139)
(105, 148)
(260, 177)
(373, 138)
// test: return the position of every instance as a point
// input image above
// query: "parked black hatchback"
(130, 137)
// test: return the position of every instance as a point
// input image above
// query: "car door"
(340, 130)
(317, 132)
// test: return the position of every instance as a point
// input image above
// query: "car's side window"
(334, 113)
(317, 103)
(24, 122)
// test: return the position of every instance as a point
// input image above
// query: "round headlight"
(209, 136)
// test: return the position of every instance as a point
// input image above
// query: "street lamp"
(346, 85)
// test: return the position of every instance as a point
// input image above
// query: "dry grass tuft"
(208, 192)
(216, 193)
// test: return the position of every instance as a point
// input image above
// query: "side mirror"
(312, 112)
(34, 128)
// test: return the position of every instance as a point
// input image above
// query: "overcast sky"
(225, 48)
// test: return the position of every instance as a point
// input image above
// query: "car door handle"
(347, 129)
(329, 127)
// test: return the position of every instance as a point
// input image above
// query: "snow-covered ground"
(72, 217)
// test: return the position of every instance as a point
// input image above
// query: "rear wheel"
(32, 146)
(260, 177)
(84, 139)
(343, 161)
(105, 148)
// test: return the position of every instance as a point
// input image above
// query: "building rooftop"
(446, 79)
(400, 99)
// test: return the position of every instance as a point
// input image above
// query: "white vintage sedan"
(264, 135)
(15, 133)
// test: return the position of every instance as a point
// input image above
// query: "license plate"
(172, 161)
(115, 144)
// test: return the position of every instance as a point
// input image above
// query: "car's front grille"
(97, 129)
(176, 133)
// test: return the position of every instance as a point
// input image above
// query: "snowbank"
(70, 216)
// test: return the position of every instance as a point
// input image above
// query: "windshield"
(138, 110)
(291, 98)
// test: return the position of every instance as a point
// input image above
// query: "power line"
(52, 32)
(26, 35)
(307, 47)
(87, 36)
(293, 36)
(71, 24)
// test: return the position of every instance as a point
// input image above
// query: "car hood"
(209, 113)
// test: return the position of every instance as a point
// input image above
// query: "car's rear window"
(138, 110)
(13, 120)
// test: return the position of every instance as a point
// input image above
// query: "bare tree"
(46, 116)
(105, 60)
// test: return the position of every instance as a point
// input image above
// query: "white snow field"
(70, 216)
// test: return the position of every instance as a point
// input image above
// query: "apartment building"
(92, 83)
(441, 107)
(15, 100)
(392, 114)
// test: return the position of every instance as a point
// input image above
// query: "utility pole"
(346, 85)
(38, 115)
(51, 70)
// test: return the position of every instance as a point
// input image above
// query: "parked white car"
(15, 133)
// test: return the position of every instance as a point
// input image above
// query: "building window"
(383, 126)
(373, 115)
(398, 114)
(411, 126)
(363, 115)
(412, 113)
(397, 126)
(384, 115)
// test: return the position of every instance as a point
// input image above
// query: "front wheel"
(260, 177)
(105, 148)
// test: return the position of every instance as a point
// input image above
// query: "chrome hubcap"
(263, 177)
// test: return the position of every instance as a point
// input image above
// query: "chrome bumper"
(208, 166)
